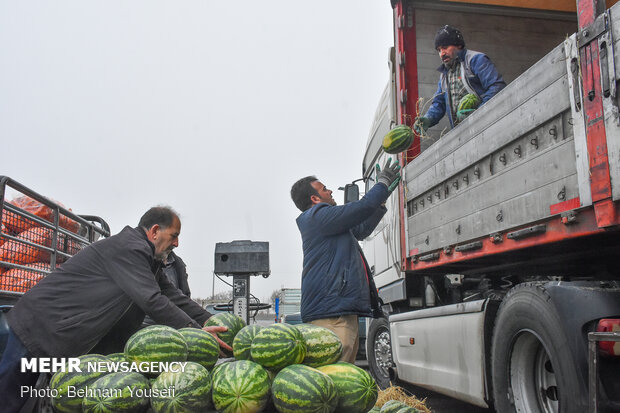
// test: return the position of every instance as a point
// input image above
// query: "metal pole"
(592, 374)
(593, 338)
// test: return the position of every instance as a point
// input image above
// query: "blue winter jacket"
(479, 76)
(334, 280)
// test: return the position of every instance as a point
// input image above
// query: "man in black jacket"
(98, 299)
(175, 269)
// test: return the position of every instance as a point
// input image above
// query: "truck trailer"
(496, 261)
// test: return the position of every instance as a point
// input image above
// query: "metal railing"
(36, 235)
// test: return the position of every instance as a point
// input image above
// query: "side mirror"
(351, 193)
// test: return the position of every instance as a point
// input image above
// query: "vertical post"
(212, 286)
(596, 136)
(406, 71)
(592, 374)
(277, 309)
(241, 297)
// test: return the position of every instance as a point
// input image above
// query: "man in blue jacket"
(468, 79)
(336, 284)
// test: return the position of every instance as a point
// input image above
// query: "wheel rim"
(532, 378)
(383, 352)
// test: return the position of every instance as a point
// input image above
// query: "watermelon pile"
(280, 367)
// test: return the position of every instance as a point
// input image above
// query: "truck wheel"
(531, 362)
(379, 351)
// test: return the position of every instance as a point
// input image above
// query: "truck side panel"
(478, 179)
(611, 40)
(442, 349)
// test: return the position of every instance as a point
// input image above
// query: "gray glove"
(390, 175)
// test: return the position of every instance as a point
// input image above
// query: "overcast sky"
(212, 107)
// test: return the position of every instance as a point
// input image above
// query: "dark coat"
(336, 279)
(180, 273)
(479, 76)
(101, 296)
(181, 270)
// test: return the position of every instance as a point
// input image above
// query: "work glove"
(463, 113)
(469, 101)
(421, 124)
(390, 175)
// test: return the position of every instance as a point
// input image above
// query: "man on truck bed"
(336, 284)
(468, 79)
(96, 300)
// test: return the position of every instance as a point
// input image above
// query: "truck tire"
(379, 351)
(532, 366)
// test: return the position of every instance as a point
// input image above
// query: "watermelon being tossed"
(398, 139)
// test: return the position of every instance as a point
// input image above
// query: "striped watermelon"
(241, 387)
(117, 393)
(202, 347)
(278, 346)
(322, 345)
(408, 409)
(357, 390)
(375, 409)
(218, 366)
(116, 357)
(301, 388)
(398, 139)
(392, 406)
(156, 343)
(243, 342)
(270, 406)
(233, 322)
(191, 390)
(61, 382)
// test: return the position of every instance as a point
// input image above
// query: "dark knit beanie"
(447, 36)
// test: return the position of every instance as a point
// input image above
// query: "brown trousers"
(346, 328)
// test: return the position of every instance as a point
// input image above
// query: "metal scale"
(242, 260)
